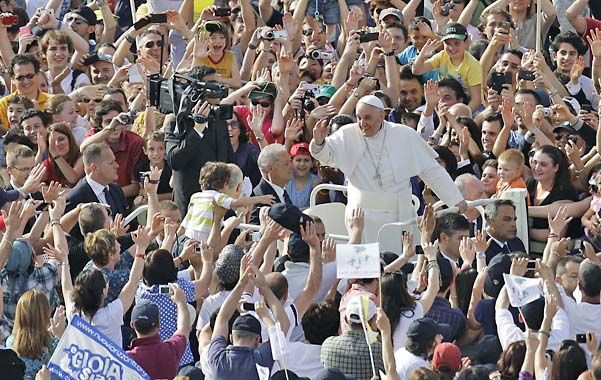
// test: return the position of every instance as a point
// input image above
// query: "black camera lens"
(315, 54)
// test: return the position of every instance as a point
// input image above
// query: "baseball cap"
(326, 91)
(286, 375)
(247, 323)
(447, 355)
(391, 12)
(193, 373)
(227, 266)
(360, 304)
(87, 14)
(454, 31)
(423, 329)
(494, 281)
(145, 315)
(297, 248)
(288, 216)
(264, 90)
(573, 104)
(567, 126)
(100, 57)
(485, 351)
(300, 149)
(215, 26)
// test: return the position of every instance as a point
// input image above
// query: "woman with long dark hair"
(550, 183)
(64, 163)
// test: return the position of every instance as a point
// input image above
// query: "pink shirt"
(243, 113)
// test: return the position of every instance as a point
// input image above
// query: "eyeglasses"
(86, 100)
(23, 170)
(78, 21)
(151, 44)
(233, 124)
(21, 78)
(307, 32)
(263, 104)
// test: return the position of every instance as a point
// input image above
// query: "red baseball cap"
(447, 355)
(300, 149)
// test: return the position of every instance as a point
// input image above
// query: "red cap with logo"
(300, 149)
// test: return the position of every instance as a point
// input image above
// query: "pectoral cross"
(378, 178)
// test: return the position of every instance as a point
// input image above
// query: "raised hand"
(430, 250)
(320, 132)
(294, 129)
(480, 243)
(467, 250)
(594, 41)
(118, 225)
(431, 92)
(519, 266)
(323, 112)
(50, 193)
(256, 118)
(309, 235)
(141, 237)
(328, 251)
(577, 70)
(427, 224)
(357, 220)
(201, 45)
(559, 222)
(408, 247)
(431, 47)
(58, 322)
(151, 182)
(56, 253)
(33, 183)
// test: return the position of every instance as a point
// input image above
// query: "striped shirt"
(199, 219)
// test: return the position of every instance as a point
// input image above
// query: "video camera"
(180, 94)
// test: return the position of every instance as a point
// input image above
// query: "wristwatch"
(389, 54)
(252, 47)
(130, 39)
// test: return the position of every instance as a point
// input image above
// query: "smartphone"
(581, 338)
(498, 80)
(368, 37)
(25, 31)
(280, 34)
(255, 236)
(155, 18)
(222, 12)
(164, 289)
(10, 20)
(326, 56)
(248, 306)
(134, 75)
(526, 75)
(197, 249)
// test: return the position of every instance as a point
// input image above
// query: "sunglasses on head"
(23, 77)
(151, 44)
(263, 104)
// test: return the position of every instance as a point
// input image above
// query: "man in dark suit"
(98, 184)
(276, 170)
(188, 151)
(501, 228)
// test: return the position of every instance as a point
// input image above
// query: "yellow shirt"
(42, 99)
(224, 66)
(468, 73)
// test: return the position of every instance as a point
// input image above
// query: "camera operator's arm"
(181, 152)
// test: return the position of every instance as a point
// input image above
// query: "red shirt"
(159, 359)
(243, 113)
(127, 154)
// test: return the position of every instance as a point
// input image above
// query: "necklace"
(377, 176)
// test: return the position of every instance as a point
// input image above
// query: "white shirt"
(297, 273)
(399, 336)
(209, 305)
(583, 316)
(302, 359)
(588, 88)
(508, 332)
(66, 83)
(98, 189)
(107, 320)
(406, 363)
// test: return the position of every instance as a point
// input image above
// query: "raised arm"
(274, 303)
(430, 253)
(305, 298)
(574, 15)
(383, 324)
(231, 302)
(141, 240)
(183, 316)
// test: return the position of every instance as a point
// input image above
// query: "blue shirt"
(168, 311)
(409, 55)
(442, 312)
(237, 362)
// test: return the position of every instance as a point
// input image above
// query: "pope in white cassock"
(378, 159)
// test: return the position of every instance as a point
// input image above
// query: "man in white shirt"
(584, 315)
(423, 335)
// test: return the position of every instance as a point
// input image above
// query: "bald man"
(379, 158)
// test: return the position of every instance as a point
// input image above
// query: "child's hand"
(264, 199)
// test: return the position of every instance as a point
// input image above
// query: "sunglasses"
(263, 104)
(78, 21)
(592, 188)
(86, 100)
(23, 77)
(559, 136)
(151, 44)
(307, 32)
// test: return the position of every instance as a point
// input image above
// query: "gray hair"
(269, 155)
(93, 153)
(463, 181)
(236, 176)
(492, 210)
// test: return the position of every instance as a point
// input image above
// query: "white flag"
(358, 260)
(522, 290)
(85, 353)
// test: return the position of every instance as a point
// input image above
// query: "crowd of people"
(405, 103)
